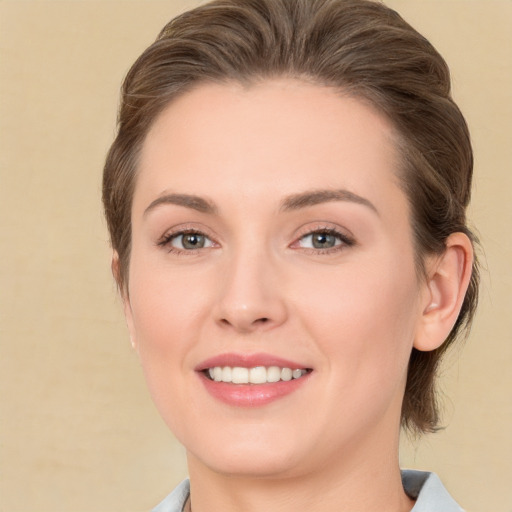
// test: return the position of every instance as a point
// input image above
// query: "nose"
(251, 298)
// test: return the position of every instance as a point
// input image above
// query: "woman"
(286, 200)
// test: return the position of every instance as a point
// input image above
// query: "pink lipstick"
(251, 380)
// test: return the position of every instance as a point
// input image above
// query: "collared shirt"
(425, 488)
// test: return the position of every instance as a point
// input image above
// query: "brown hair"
(358, 46)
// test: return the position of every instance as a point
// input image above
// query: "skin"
(352, 312)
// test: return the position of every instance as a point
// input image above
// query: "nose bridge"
(250, 297)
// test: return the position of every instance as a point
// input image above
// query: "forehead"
(281, 135)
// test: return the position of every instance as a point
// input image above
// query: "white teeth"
(217, 373)
(273, 374)
(226, 374)
(286, 374)
(240, 375)
(296, 374)
(256, 375)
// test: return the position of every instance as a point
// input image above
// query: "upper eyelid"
(171, 234)
(345, 240)
(309, 229)
(186, 228)
(166, 242)
(305, 230)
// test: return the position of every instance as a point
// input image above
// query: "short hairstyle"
(363, 49)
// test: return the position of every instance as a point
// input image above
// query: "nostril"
(262, 320)
(247, 318)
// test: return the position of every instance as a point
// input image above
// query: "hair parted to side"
(359, 47)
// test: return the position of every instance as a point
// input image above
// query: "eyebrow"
(187, 200)
(314, 197)
(293, 202)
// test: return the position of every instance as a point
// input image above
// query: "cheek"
(167, 310)
(364, 319)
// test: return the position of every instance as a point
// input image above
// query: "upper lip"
(248, 361)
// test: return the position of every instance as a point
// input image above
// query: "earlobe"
(114, 267)
(447, 281)
(129, 322)
(127, 308)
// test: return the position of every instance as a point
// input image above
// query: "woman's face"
(270, 232)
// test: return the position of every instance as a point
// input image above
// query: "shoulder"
(176, 500)
(429, 492)
(425, 488)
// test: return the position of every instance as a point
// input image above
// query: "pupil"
(193, 241)
(323, 240)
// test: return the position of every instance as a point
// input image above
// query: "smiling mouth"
(255, 375)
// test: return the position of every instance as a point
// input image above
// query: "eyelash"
(345, 241)
(167, 239)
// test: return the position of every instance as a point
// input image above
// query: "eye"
(324, 240)
(320, 240)
(186, 241)
(189, 241)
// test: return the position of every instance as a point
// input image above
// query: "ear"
(448, 277)
(123, 290)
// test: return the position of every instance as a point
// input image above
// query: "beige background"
(78, 431)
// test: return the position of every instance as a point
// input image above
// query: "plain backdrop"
(78, 431)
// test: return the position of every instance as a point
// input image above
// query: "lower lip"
(252, 395)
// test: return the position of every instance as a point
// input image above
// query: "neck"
(357, 482)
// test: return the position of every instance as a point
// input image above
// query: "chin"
(247, 457)
(259, 466)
